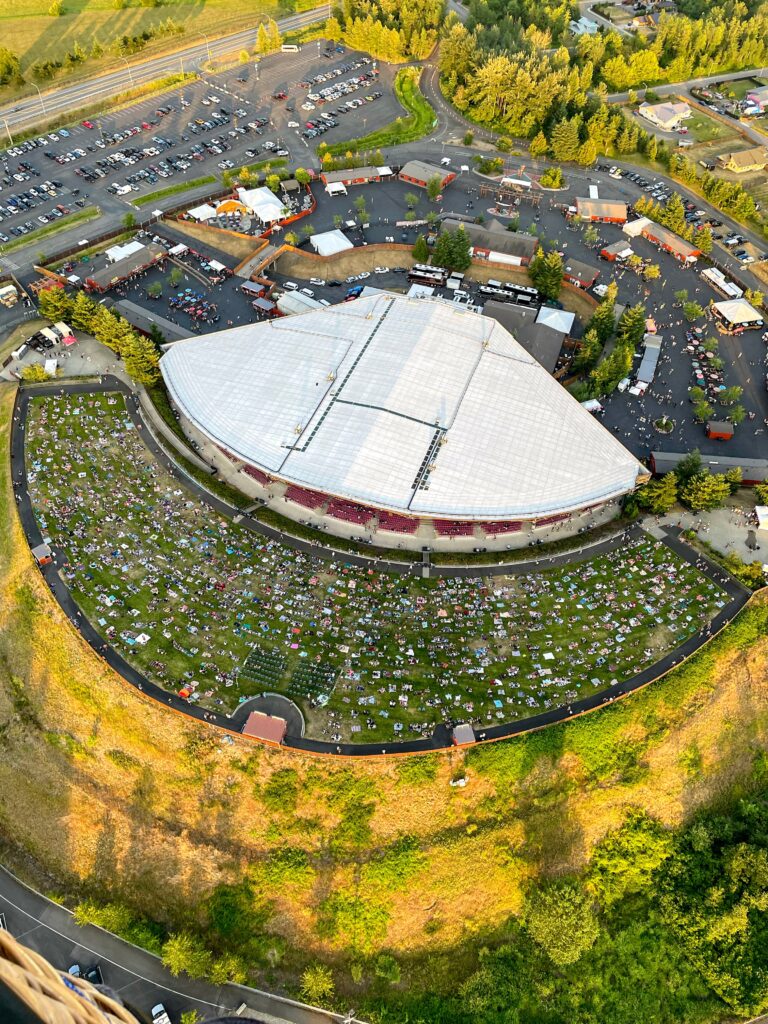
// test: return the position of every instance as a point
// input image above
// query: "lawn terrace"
(208, 608)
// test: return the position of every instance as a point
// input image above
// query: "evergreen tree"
(55, 304)
(420, 250)
(703, 239)
(589, 351)
(603, 320)
(460, 250)
(262, 40)
(141, 360)
(564, 140)
(587, 153)
(546, 272)
(688, 467)
(539, 146)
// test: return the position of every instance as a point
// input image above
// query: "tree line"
(139, 354)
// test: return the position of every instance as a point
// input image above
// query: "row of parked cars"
(339, 89)
(325, 76)
(31, 144)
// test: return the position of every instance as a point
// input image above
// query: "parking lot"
(248, 114)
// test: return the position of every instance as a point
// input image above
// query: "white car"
(317, 281)
(363, 276)
(381, 270)
(290, 286)
(294, 124)
(307, 106)
(308, 292)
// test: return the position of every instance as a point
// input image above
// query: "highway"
(33, 110)
(137, 977)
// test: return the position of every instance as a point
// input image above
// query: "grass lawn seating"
(203, 605)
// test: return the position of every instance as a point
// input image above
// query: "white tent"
(215, 265)
(204, 212)
(120, 252)
(558, 319)
(328, 243)
(633, 228)
(178, 250)
(263, 203)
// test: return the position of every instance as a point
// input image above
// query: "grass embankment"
(225, 242)
(112, 105)
(31, 32)
(276, 166)
(173, 190)
(67, 221)
(308, 34)
(420, 119)
(134, 805)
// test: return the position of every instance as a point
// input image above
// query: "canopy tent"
(329, 243)
(231, 206)
(121, 252)
(557, 319)
(262, 203)
(215, 265)
(178, 250)
(201, 213)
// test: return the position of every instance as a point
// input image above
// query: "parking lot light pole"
(5, 122)
(130, 73)
(207, 46)
(42, 102)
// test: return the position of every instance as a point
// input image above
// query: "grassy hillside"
(382, 870)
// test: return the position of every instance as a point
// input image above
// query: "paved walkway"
(441, 738)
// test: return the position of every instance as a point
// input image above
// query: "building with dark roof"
(538, 338)
(494, 243)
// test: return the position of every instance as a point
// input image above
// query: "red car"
(88, 124)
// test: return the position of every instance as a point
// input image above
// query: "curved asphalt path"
(136, 976)
(441, 737)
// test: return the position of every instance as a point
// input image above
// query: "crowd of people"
(187, 596)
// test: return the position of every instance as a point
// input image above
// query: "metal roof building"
(405, 404)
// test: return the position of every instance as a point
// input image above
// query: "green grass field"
(172, 190)
(200, 604)
(46, 230)
(702, 128)
(29, 31)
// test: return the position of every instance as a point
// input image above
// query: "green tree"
(262, 39)
(420, 250)
(702, 411)
(588, 352)
(539, 146)
(704, 491)
(652, 272)
(129, 220)
(155, 290)
(552, 178)
(332, 30)
(175, 276)
(703, 240)
(244, 57)
(10, 66)
(317, 985)
(591, 234)
(734, 478)
(658, 496)
(141, 360)
(737, 415)
(184, 953)
(754, 297)
(469, 138)
(291, 238)
(564, 140)
(272, 181)
(190, 1017)
(761, 493)
(688, 467)
(302, 176)
(546, 271)
(560, 918)
(56, 9)
(387, 968)
(411, 200)
(34, 373)
(692, 311)
(587, 153)
(681, 297)
(731, 395)
(434, 187)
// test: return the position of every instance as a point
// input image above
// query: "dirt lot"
(225, 242)
(303, 265)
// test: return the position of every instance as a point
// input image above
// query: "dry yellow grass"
(162, 823)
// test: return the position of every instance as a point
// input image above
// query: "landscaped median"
(67, 221)
(421, 118)
(172, 190)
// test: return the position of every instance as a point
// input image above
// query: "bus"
(290, 48)
(422, 274)
(521, 292)
(523, 298)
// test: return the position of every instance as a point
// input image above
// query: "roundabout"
(378, 660)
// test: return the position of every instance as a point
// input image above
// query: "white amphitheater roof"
(406, 403)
